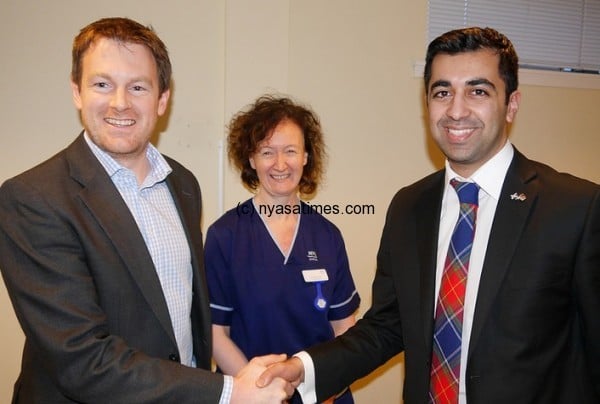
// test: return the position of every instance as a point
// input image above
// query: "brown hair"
(123, 30)
(247, 129)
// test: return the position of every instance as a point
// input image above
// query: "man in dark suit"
(101, 247)
(523, 314)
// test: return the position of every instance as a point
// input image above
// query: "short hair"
(248, 128)
(473, 39)
(123, 30)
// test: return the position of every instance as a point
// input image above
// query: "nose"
(280, 161)
(120, 99)
(457, 108)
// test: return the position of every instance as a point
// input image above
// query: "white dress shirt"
(155, 213)
(489, 178)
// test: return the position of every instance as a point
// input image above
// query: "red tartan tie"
(445, 359)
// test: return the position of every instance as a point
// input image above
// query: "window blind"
(547, 34)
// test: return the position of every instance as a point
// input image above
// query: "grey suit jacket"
(86, 293)
(536, 327)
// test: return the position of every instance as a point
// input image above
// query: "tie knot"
(467, 191)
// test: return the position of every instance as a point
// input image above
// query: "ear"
(251, 159)
(513, 106)
(305, 159)
(76, 95)
(163, 101)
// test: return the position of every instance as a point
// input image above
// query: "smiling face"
(468, 116)
(119, 98)
(279, 162)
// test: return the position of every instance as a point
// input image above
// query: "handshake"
(267, 379)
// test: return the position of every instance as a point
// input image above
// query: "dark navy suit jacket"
(536, 327)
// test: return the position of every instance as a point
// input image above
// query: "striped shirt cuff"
(227, 390)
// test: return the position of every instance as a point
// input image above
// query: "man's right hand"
(245, 385)
(291, 370)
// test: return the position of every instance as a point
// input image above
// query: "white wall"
(351, 60)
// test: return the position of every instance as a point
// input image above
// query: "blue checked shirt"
(153, 208)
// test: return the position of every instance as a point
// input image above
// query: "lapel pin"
(518, 197)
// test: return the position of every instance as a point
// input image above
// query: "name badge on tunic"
(317, 276)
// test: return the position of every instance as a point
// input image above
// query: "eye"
(480, 92)
(291, 152)
(440, 94)
(101, 87)
(138, 88)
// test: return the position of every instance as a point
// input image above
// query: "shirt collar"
(490, 176)
(159, 168)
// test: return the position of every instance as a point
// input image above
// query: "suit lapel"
(188, 203)
(428, 222)
(182, 198)
(185, 202)
(509, 221)
(106, 204)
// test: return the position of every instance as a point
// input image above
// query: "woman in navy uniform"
(278, 272)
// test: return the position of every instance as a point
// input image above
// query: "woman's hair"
(122, 30)
(248, 128)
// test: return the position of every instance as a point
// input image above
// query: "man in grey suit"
(101, 247)
(522, 318)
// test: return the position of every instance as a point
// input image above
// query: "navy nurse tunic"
(273, 304)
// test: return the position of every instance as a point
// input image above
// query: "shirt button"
(174, 357)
